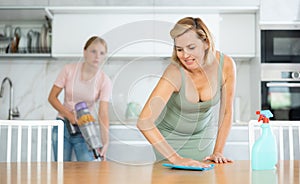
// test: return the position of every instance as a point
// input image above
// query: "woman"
(188, 116)
(83, 81)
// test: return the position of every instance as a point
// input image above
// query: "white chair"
(286, 132)
(30, 140)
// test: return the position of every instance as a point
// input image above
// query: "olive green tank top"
(191, 128)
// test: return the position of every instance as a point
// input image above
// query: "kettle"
(133, 110)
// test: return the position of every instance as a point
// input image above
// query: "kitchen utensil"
(34, 41)
(8, 31)
(37, 42)
(17, 32)
(42, 39)
(4, 44)
(13, 46)
(48, 40)
(22, 47)
(22, 43)
(29, 35)
(48, 35)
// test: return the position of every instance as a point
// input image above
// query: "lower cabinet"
(128, 145)
(237, 147)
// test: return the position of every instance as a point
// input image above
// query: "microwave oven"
(280, 46)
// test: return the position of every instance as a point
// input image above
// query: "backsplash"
(133, 81)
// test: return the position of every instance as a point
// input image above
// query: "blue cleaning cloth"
(189, 167)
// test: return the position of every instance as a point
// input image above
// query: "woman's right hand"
(189, 162)
(72, 118)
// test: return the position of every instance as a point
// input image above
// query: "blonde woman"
(188, 116)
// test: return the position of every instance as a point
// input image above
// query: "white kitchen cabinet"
(164, 22)
(100, 3)
(155, 3)
(237, 146)
(127, 34)
(127, 144)
(76, 3)
(24, 3)
(272, 11)
(144, 31)
(208, 3)
(238, 34)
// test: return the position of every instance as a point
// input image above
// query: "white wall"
(133, 80)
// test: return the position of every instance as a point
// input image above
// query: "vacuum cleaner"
(88, 128)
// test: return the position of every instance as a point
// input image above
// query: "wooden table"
(111, 172)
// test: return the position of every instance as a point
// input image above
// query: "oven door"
(280, 46)
(282, 98)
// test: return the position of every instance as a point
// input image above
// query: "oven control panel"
(290, 75)
(280, 72)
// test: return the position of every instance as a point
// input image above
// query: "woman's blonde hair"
(199, 27)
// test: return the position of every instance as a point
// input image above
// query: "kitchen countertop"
(113, 172)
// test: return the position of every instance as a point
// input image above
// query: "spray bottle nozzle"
(264, 115)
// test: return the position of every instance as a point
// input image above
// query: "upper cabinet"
(130, 31)
(29, 3)
(144, 31)
(237, 34)
(178, 3)
(279, 12)
(127, 34)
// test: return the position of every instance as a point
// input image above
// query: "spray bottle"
(264, 150)
(87, 126)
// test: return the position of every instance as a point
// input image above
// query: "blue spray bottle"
(264, 150)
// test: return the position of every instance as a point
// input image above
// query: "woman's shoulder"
(229, 66)
(172, 74)
(228, 62)
(173, 69)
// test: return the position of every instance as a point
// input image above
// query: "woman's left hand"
(217, 158)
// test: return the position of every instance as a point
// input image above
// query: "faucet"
(11, 112)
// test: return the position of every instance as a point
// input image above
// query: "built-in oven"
(280, 46)
(280, 90)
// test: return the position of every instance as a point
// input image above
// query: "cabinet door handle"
(270, 84)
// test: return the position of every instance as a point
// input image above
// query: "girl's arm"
(54, 101)
(104, 126)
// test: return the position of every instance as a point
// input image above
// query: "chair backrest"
(287, 135)
(30, 140)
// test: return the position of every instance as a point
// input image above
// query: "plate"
(194, 168)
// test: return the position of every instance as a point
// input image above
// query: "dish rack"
(26, 40)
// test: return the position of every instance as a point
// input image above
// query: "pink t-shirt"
(76, 90)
